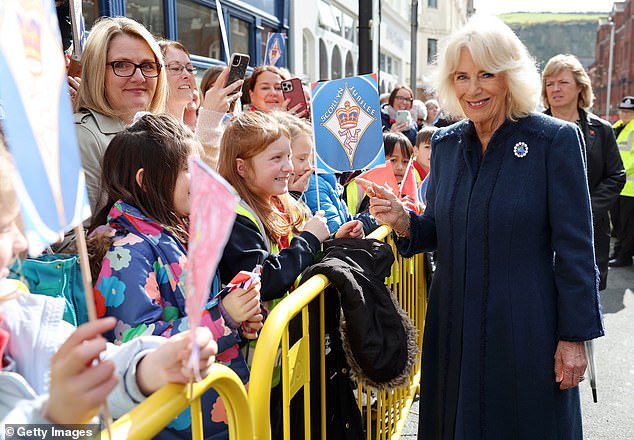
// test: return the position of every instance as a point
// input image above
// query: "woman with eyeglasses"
(121, 75)
(180, 79)
(400, 101)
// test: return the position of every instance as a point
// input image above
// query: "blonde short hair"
(562, 62)
(92, 93)
(497, 50)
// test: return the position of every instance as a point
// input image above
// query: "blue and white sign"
(347, 124)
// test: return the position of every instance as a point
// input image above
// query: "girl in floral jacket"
(141, 278)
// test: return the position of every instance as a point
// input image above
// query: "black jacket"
(373, 342)
(247, 246)
(377, 335)
(606, 175)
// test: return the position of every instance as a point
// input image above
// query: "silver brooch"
(520, 149)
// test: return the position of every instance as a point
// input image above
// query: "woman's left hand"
(570, 363)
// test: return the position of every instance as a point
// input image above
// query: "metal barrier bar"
(407, 281)
(274, 332)
(249, 415)
(159, 409)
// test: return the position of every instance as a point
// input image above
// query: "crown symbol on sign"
(31, 38)
(348, 116)
(275, 48)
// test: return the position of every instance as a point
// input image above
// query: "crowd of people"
(516, 206)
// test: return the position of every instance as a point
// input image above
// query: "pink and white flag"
(212, 203)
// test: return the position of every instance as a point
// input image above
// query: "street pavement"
(612, 418)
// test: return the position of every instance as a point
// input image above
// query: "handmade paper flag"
(39, 122)
(382, 176)
(347, 124)
(275, 54)
(408, 185)
(212, 203)
(409, 188)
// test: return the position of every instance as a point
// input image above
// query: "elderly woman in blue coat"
(514, 295)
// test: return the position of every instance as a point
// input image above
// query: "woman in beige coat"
(122, 74)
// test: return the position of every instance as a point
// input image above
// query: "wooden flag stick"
(84, 265)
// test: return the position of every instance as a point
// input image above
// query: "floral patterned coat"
(142, 284)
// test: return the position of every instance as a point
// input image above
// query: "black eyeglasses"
(403, 98)
(126, 69)
(177, 68)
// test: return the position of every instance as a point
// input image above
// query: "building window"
(308, 55)
(336, 64)
(349, 65)
(432, 4)
(305, 52)
(349, 29)
(382, 63)
(432, 50)
(198, 29)
(239, 40)
(323, 61)
(328, 18)
(149, 13)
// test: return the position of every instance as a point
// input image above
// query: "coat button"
(344, 370)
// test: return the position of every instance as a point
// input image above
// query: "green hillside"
(547, 17)
(548, 34)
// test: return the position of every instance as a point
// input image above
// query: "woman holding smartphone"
(395, 115)
(265, 91)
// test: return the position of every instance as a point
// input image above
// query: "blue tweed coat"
(515, 274)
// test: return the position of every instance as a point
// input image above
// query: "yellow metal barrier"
(249, 416)
(158, 410)
(385, 413)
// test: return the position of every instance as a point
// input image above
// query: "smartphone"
(239, 63)
(292, 89)
(402, 116)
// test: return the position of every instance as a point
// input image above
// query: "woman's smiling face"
(482, 95)
(266, 95)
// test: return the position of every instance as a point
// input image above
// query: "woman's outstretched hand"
(386, 207)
